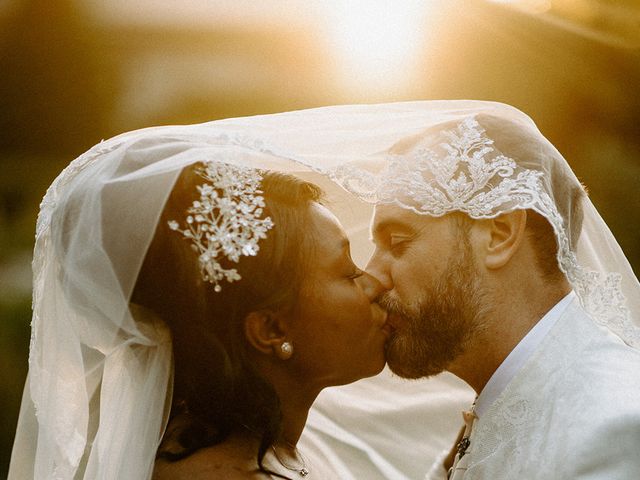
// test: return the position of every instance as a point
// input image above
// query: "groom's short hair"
(568, 201)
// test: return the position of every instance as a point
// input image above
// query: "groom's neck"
(511, 314)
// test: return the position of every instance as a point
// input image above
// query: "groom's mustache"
(397, 312)
(391, 303)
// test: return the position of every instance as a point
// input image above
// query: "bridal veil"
(99, 386)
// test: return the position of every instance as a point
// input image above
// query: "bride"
(188, 309)
(251, 358)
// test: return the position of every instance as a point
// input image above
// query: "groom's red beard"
(436, 329)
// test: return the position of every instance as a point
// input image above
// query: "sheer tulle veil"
(100, 369)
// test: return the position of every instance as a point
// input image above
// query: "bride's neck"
(296, 394)
(295, 404)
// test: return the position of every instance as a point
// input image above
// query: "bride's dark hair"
(216, 389)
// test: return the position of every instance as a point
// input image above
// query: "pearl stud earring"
(287, 350)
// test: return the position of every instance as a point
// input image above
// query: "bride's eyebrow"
(345, 246)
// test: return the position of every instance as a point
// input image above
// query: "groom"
(485, 299)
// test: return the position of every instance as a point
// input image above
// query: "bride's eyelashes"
(357, 273)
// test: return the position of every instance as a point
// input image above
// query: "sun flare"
(376, 42)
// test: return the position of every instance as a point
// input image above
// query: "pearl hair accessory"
(225, 220)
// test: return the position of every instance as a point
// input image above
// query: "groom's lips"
(388, 329)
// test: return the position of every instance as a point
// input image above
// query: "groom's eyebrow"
(385, 226)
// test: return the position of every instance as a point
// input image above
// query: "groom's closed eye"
(399, 242)
(397, 239)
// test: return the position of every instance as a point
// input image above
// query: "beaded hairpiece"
(225, 220)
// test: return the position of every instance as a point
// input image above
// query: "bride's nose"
(371, 286)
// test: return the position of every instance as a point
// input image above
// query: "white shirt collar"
(519, 355)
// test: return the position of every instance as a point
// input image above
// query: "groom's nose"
(377, 268)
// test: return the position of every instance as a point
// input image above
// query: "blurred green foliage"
(14, 347)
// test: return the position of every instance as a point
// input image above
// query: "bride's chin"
(377, 366)
(374, 367)
(378, 370)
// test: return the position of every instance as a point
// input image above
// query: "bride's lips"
(386, 326)
(394, 321)
(388, 329)
(380, 318)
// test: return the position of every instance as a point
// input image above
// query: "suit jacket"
(571, 412)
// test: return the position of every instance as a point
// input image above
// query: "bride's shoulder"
(230, 460)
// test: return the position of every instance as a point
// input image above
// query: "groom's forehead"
(393, 217)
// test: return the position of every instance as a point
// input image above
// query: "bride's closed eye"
(356, 273)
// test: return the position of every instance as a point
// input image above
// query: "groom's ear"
(265, 330)
(504, 237)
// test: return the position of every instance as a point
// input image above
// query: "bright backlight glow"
(376, 42)
(531, 6)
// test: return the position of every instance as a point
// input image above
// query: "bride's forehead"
(330, 235)
(326, 220)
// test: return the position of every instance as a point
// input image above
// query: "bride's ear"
(266, 331)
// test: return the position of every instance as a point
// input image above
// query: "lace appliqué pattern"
(511, 413)
(464, 179)
(225, 220)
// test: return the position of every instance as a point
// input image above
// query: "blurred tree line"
(55, 96)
